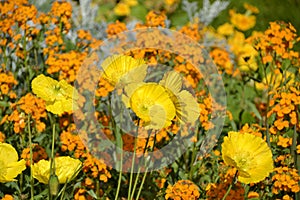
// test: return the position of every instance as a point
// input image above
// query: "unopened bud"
(53, 185)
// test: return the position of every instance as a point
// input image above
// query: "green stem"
(98, 189)
(129, 197)
(141, 186)
(193, 155)
(132, 168)
(135, 182)
(230, 186)
(266, 121)
(120, 176)
(52, 163)
(30, 149)
(294, 144)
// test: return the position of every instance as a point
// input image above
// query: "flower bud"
(53, 185)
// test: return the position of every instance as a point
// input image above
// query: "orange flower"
(155, 19)
(38, 153)
(182, 189)
(218, 190)
(286, 179)
(8, 197)
(252, 194)
(28, 104)
(115, 28)
(2, 137)
(284, 142)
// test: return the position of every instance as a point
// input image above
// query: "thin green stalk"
(132, 163)
(135, 182)
(230, 186)
(52, 164)
(294, 144)
(141, 186)
(98, 189)
(119, 142)
(53, 184)
(266, 121)
(145, 173)
(129, 197)
(226, 194)
(120, 174)
(120, 177)
(193, 156)
(30, 151)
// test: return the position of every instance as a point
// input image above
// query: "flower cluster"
(218, 190)
(28, 105)
(284, 107)
(7, 82)
(182, 189)
(38, 153)
(285, 179)
(276, 44)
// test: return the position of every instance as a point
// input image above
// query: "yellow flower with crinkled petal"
(151, 103)
(120, 70)
(59, 96)
(66, 168)
(249, 154)
(10, 167)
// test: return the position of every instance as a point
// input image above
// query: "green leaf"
(4, 104)
(252, 108)
(247, 118)
(139, 11)
(179, 18)
(92, 193)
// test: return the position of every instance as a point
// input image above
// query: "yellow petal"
(117, 70)
(10, 167)
(135, 75)
(66, 168)
(8, 153)
(67, 90)
(60, 106)
(173, 81)
(44, 87)
(13, 170)
(187, 108)
(148, 95)
(158, 118)
(41, 171)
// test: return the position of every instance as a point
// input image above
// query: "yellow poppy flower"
(151, 103)
(120, 70)
(59, 96)
(248, 153)
(10, 167)
(66, 168)
(187, 108)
